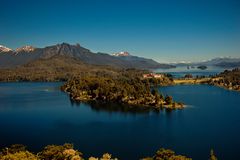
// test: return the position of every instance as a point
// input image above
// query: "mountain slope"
(139, 62)
(13, 59)
(56, 68)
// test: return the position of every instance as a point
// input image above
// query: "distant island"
(202, 67)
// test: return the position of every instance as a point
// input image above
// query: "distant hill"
(221, 61)
(225, 62)
(10, 58)
(229, 64)
(140, 62)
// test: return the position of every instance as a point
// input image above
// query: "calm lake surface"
(181, 71)
(37, 114)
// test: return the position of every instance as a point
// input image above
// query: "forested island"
(128, 87)
(67, 152)
(202, 67)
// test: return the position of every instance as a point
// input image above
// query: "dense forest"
(128, 87)
(67, 152)
(58, 68)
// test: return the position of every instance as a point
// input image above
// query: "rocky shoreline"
(133, 103)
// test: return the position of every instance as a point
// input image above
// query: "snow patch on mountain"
(25, 49)
(121, 54)
(4, 49)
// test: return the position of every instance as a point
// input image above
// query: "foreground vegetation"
(126, 88)
(67, 152)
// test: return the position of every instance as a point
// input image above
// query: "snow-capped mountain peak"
(25, 49)
(4, 49)
(121, 54)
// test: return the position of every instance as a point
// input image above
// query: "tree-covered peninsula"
(229, 79)
(126, 88)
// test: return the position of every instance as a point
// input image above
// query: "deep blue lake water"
(37, 114)
(181, 71)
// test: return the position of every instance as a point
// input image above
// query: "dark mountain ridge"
(12, 58)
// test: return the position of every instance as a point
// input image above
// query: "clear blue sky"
(165, 30)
